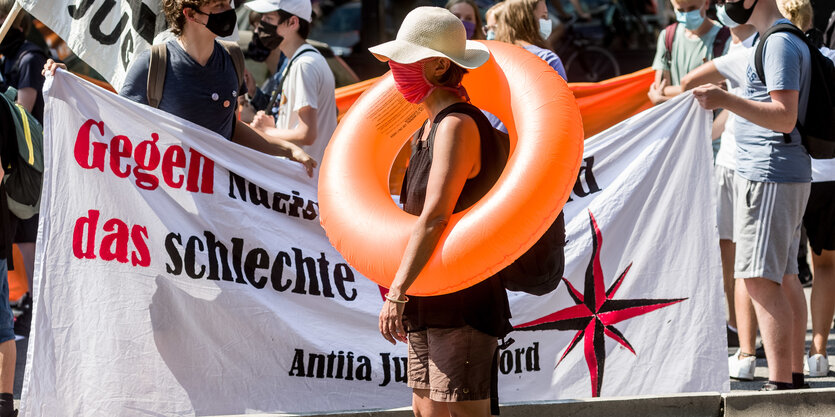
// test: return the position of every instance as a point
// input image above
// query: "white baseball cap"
(300, 8)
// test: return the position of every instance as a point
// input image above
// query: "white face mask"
(545, 28)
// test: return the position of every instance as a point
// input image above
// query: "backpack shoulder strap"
(279, 87)
(759, 53)
(237, 55)
(669, 37)
(156, 74)
(720, 41)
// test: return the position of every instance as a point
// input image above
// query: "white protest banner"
(181, 274)
(106, 34)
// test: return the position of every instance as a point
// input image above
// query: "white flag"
(106, 34)
(181, 274)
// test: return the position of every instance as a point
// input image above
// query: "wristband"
(394, 300)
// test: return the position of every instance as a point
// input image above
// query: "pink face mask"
(412, 83)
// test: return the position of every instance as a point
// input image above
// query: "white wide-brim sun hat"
(430, 32)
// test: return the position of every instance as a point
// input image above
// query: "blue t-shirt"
(205, 95)
(550, 57)
(763, 154)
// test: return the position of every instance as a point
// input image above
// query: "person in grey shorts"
(731, 68)
(771, 183)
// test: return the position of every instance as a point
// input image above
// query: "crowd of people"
(764, 176)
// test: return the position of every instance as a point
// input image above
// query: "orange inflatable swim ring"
(546, 135)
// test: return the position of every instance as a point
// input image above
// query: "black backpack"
(539, 270)
(818, 129)
(24, 171)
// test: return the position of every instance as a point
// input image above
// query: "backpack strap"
(237, 55)
(760, 52)
(669, 37)
(279, 88)
(156, 74)
(720, 41)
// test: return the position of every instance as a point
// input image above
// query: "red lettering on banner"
(194, 170)
(82, 147)
(115, 244)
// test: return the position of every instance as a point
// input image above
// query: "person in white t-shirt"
(731, 68)
(306, 103)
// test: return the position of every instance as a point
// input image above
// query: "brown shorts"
(453, 364)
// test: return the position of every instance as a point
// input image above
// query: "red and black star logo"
(595, 314)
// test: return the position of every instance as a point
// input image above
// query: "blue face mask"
(691, 20)
(723, 17)
(491, 35)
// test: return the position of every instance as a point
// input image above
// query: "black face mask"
(737, 11)
(267, 34)
(221, 24)
(12, 42)
(256, 51)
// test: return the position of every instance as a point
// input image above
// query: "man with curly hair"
(201, 83)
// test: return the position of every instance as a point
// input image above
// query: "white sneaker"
(818, 365)
(742, 367)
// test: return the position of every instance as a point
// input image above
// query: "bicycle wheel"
(591, 64)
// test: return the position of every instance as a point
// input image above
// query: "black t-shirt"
(23, 70)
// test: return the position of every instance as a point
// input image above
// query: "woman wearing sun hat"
(455, 160)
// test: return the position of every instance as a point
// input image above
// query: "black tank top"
(483, 306)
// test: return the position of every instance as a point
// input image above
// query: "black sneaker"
(733, 338)
(23, 315)
(804, 275)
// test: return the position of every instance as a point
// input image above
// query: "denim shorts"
(6, 317)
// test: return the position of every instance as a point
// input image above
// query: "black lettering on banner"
(143, 21)
(317, 362)
(302, 262)
(400, 364)
(193, 243)
(231, 263)
(522, 359)
(126, 50)
(298, 364)
(176, 266)
(77, 12)
(256, 259)
(342, 274)
(586, 173)
(333, 366)
(293, 204)
(98, 19)
(281, 260)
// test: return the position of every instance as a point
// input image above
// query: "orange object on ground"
(18, 284)
(371, 232)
